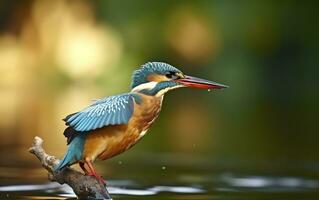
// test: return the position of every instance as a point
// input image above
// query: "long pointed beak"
(194, 82)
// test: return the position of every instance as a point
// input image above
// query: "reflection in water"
(65, 191)
(270, 183)
(21, 188)
(223, 183)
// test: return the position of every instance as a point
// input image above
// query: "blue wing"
(112, 110)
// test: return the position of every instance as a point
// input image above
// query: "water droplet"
(163, 168)
(119, 162)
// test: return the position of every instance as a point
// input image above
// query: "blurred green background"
(57, 56)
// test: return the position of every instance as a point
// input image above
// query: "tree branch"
(85, 187)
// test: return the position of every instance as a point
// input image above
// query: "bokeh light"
(58, 56)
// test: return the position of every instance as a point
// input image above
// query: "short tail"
(66, 161)
(74, 153)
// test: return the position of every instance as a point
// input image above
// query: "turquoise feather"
(112, 110)
(74, 153)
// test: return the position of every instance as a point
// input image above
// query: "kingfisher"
(112, 125)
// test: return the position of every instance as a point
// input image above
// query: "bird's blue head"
(156, 78)
(153, 71)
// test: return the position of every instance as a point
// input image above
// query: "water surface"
(177, 179)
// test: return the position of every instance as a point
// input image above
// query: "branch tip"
(84, 187)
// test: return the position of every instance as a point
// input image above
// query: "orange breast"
(109, 141)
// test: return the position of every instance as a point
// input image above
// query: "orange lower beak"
(195, 82)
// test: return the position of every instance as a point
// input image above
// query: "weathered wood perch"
(85, 187)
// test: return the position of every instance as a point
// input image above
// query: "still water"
(177, 178)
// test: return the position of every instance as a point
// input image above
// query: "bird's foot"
(99, 178)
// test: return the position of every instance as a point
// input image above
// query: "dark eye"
(171, 75)
(168, 75)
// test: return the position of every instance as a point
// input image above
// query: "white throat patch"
(151, 85)
(148, 86)
(163, 91)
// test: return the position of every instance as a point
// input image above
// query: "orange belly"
(109, 141)
(112, 140)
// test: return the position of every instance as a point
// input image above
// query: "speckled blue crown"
(140, 75)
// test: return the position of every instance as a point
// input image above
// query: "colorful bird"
(112, 125)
